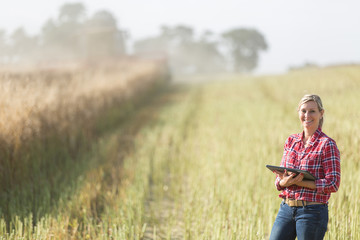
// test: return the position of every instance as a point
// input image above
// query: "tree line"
(234, 50)
(73, 35)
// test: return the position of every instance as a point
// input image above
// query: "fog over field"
(141, 119)
(297, 33)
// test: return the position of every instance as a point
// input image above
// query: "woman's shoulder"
(329, 145)
(296, 137)
(325, 138)
(327, 142)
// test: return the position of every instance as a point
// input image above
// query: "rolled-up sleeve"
(277, 180)
(277, 184)
(331, 165)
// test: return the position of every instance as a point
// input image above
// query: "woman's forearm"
(307, 184)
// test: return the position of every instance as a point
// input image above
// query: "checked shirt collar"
(300, 136)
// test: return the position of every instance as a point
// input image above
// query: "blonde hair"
(312, 97)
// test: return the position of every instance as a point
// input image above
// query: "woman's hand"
(287, 179)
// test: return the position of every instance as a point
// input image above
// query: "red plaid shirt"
(321, 158)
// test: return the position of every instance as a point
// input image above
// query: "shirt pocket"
(291, 159)
(312, 164)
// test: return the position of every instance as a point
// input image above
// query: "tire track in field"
(112, 168)
(158, 218)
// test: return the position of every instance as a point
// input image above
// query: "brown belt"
(299, 203)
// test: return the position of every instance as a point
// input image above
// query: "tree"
(103, 19)
(243, 47)
(186, 54)
(102, 37)
(207, 54)
(73, 35)
(50, 37)
(198, 55)
(22, 46)
(166, 43)
(151, 46)
(72, 12)
(3, 46)
(69, 28)
(61, 38)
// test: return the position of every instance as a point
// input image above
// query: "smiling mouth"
(308, 123)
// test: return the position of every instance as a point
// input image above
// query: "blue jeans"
(309, 222)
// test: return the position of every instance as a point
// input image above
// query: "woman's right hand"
(288, 179)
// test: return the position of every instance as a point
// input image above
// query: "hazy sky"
(317, 31)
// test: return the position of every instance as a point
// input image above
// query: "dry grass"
(196, 169)
(33, 101)
(50, 119)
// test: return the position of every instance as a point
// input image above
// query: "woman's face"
(310, 115)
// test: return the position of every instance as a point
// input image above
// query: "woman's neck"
(308, 134)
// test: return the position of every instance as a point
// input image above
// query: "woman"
(304, 211)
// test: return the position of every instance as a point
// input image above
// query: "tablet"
(307, 175)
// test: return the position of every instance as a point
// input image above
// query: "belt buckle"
(295, 203)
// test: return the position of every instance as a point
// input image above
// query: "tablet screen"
(307, 175)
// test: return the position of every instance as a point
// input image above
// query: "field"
(189, 163)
